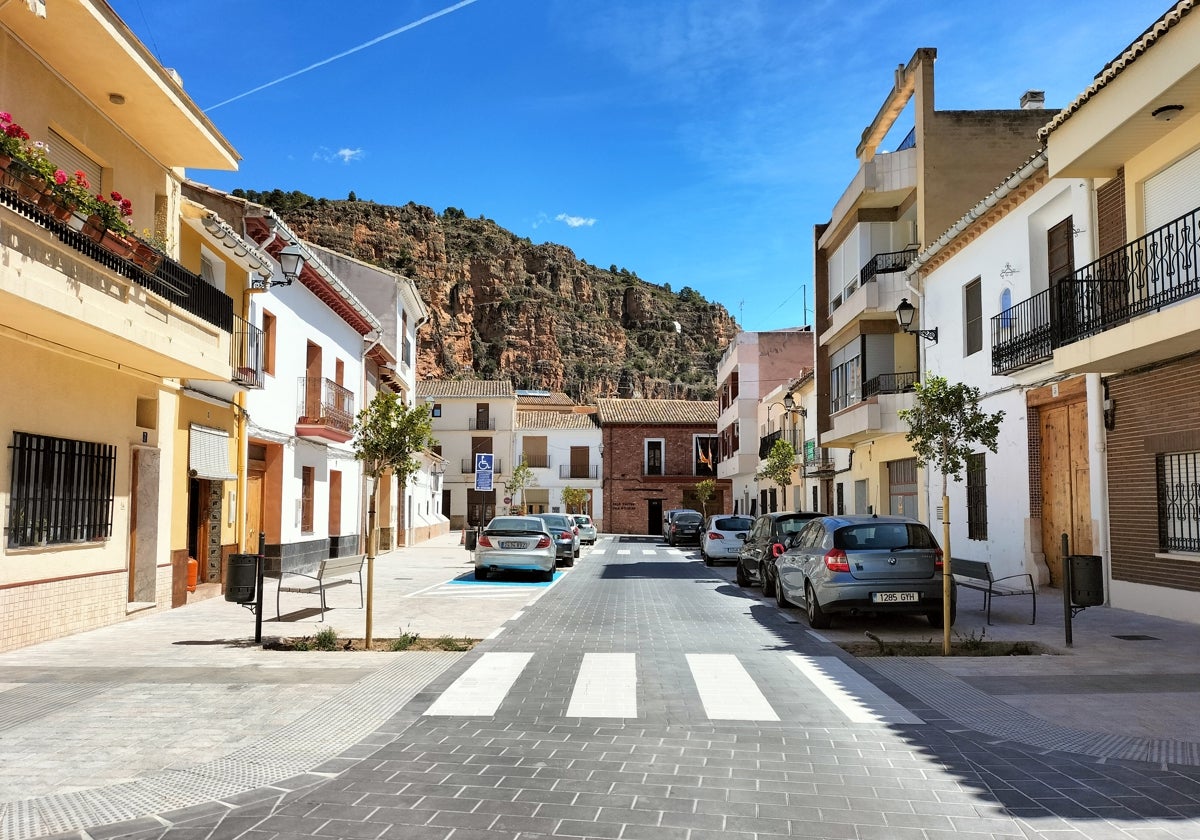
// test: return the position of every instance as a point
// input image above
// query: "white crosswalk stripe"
(606, 686)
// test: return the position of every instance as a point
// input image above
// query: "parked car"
(685, 527)
(587, 528)
(515, 543)
(566, 535)
(670, 515)
(723, 537)
(767, 539)
(863, 564)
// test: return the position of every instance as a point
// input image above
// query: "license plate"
(895, 597)
(511, 544)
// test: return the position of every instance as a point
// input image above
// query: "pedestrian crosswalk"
(725, 687)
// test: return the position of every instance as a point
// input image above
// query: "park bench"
(977, 574)
(335, 570)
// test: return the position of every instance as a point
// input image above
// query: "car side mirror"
(776, 549)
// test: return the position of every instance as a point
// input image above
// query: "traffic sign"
(483, 470)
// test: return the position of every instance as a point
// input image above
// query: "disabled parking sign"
(483, 470)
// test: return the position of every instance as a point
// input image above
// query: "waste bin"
(1087, 580)
(241, 578)
(470, 538)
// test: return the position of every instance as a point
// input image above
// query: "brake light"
(938, 565)
(836, 560)
(483, 541)
(566, 535)
(713, 535)
(544, 542)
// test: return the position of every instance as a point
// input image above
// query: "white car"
(515, 543)
(723, 537)
(587, 528)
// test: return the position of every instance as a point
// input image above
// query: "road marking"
(622, 551)
(605, 687)
(482, 687)
(649, 551)
(851, 693)
(726, 689)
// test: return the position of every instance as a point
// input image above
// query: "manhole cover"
(1138, 637)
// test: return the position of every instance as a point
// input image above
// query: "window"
(705, 461)
(654, 457)
(268, 328)
(61, 490)
(976, 496)
(1178, 501)
(307, 485)
(436, 411)
(845, 376)
(973, 317)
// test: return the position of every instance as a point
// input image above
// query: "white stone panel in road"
(606, 686)
(852, 694)
(482, 687)
(726, 689)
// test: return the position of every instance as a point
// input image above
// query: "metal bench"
(335, 570)
(977, 574)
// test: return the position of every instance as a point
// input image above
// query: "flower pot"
(56, 206)
(5, 179)
(146, 257)
(28, 183)
(93, 228)
(116, 243)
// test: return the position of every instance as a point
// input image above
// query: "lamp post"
(904, 316)
(291, 263)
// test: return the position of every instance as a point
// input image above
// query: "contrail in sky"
(350, 51)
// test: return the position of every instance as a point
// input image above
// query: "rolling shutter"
(71, 159)
(1173, 192)
(208, 454)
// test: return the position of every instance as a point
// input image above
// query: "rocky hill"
(502, 307)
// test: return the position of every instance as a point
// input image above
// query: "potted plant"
(12, 139)
(67, 193)
(32, 170)
(106, 222)
(148, 250)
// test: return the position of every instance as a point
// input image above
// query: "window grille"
(61, 490)
(976, 496)
(1179, 501)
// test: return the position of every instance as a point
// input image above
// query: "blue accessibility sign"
(484, 462)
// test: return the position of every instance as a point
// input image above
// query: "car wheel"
(817, 618)
(575, 556)
(708, 561)
(768, 583)
(480, 574)
(780, 598)
(671, 541)
(935, 616)
(740, 575)
(569, 562)
(548, 576)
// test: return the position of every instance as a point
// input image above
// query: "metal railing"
(890, 383)
(246, 353)
(325, 403)
(888, 263)
(1021, 334)
(820, 465)
(468, 466)
(591, 471)
(170, 280)
(488, 425)
(537, 462)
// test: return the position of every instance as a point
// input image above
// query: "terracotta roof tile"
(536, 398)
(478, 388)
(532, 420)
(657, 412)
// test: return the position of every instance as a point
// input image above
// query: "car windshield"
(582, 520)
(514, 525)
(558, 521)
(884, 536)
(791, 525)
(733, 523)
(689, 518)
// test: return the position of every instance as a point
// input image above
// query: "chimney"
(1033, 100)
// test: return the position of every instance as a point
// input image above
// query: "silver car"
(587, 529)
(515, 543)
(565, 534)
(862, 564)
(723, 537)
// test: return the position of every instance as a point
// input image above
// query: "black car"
(768, 538)
(685, 527)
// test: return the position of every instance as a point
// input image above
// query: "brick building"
(655, 453)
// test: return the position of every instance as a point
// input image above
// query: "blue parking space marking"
(469, 577)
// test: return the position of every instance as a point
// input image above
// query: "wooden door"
(254, 509)
(1066, 492)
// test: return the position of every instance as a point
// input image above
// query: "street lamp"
(904, 316)
(291, 263)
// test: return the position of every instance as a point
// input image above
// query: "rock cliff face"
(502, 307)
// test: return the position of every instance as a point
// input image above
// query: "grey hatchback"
(863, 564)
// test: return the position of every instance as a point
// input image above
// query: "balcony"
(766, 442)
(1134, 306)
(326, 410)
(590, 471)
(246, 354)
(890, 383)
(875, 414)
(476, 424)
(874, 296)
(74, 292)
(889, 263)
(819, 466)
(537, 462)
(468, 466)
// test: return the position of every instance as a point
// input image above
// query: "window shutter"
(71, 159)
(1172, 192)
(208, 453)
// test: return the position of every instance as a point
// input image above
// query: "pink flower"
(81, 179)
(60, 177)
(5, 117)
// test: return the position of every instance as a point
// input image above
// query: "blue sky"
(694, 142)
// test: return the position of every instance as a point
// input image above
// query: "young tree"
(387, 437)
(522, 477)
(704, 491)
(780, 463)
(945, 425)
(575, 499)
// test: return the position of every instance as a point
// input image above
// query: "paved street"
(642, 695)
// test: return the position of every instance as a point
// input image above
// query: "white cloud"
(342, 155)
(574, 221)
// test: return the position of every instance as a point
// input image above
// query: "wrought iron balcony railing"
(468, 466)
(591, 471)
(488, 425)
(819, 465)
(170, 280)
(1153, 271)
(246, 354)
(537, 462)
(890, 383)
(888, 263)
(325, 403)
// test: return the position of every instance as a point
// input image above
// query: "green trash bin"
(241, 578)
(1087, 580)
